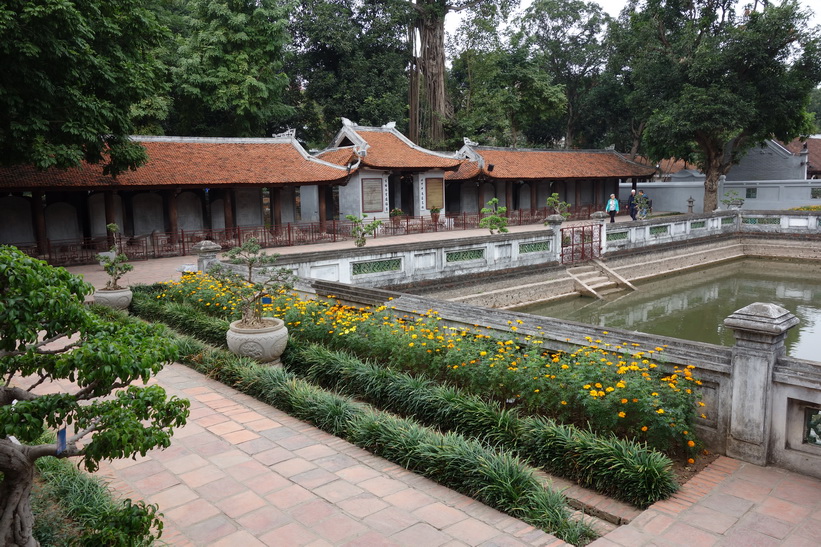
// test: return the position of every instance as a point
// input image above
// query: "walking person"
(612, 207)
(631, 204)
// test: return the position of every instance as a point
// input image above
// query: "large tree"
(502, 97)
(427, 98)
(70, 72)
(569, 36)
(227, 75)
(723, 79)
(47, 334)
(350, 59)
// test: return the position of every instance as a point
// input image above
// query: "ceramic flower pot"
(119, 299)
(264, 344)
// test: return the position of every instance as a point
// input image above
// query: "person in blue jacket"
(612, 207)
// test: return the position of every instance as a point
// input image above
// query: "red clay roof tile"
(553, 164)
(178, 161)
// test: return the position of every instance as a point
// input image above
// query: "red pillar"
(39, 218)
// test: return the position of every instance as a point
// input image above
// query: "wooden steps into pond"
(597, 280)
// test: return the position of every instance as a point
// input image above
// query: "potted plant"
(561, 210)
(255, 336)
(732, 200)
(434, 214)
(360, 231)
(396, 215)
(115, 265)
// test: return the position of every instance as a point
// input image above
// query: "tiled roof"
(339, 156)
(386, 150)
(182, 161)
(553, 164)
(813, 149)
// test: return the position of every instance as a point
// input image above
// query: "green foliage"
(359, 230)
(228, 71)
(114, 263)
(495, 221)
(47, 334)
(603, 463)
(558, 206)
(501, 96)
(732, 78)
(352, 63)
(251, 286)
(87, 501)
(568, 36)
(71, 71)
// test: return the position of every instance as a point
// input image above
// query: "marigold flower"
(622, 414)
(644, 428)
(691, 461)
(691, 444)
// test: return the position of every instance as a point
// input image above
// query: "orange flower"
(691, 444)
(691, 461)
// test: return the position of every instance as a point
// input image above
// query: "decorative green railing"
(698, 225)
(616, 236)
(534, 247)
(756, 220)
(377, 266)
(459, 256)
(657, 231)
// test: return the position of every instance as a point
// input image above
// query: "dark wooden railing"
(167, 244)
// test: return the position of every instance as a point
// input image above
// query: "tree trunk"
(432, 66)
(16, 518)
(413, 89)
(636, 133)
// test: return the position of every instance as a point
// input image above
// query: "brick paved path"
(243, 474)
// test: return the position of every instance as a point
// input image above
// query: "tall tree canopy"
(723, 79)
(350, 59)
(70, 72)
(568, 35)
(427, 99)
(503, 97)
(228, 77)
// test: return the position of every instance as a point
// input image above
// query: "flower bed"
(610, 386)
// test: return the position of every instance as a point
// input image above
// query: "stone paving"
(242, 474)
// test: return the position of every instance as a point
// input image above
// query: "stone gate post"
(206, 252)
(759, 331)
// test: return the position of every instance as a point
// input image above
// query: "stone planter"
(554, 220)
(434, 217)
(118, 299)
(264, 344)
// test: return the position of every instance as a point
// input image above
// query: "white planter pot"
(118, 299)
(264, 344)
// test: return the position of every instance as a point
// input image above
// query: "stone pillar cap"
(763, 318)
(206, 246)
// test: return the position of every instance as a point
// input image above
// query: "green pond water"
(694, 305)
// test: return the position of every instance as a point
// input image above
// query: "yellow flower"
(622, 414)
(660, 411)
(564, 402)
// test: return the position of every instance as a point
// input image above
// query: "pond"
(694, 305)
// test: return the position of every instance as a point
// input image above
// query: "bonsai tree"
(251, 288)
(47, 334)
(115, 264)
(495, 219)
(359, 231)
(558, 206)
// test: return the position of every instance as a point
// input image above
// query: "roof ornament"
(289, 134)
(346, 122)
(469, 142)
(389, 125)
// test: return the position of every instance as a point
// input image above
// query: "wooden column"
(481, 196)
(578, 193)
(509, 196)
(534, 196)
(228, 208)
(275, 202)
(110, 214)
(171, 211)
(39, 220)
(322, 192)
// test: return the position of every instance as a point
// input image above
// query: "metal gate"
(581, 243)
